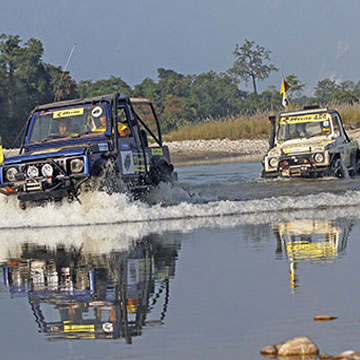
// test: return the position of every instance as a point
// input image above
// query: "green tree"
(175, 111)
(215, 95)
(251, 63)
(170, 95)
(149, 89)
(87, 88)
(25, 83)
(23, 79)
(63, 87)
(345, 93)
(325, 90)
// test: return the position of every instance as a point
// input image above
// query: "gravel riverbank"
(190, 152)
(209, 151)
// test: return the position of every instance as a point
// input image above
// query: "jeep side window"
(336, 126)
(41, 128)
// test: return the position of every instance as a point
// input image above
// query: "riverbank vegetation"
(232, 128)
(202, 106)
(255, 126)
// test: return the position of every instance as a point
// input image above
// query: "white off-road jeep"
(310, 143)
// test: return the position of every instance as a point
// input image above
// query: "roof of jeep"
(306, 112)
(95, 99)
(316, 110)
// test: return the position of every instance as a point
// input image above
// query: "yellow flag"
(1, 153)
(284, 86)
(285, 101)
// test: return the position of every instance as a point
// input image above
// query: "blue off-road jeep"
(68, 146)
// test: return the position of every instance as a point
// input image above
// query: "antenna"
(65, 68)
(68, 60)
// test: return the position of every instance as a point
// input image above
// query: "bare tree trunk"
(254, 84)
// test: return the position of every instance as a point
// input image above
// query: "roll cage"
(334, 115)
(114, 102)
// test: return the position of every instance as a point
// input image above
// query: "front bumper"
(297, 166)
(41, 190)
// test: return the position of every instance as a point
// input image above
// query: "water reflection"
(75, 293)
(310, 240)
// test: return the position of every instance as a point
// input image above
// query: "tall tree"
(325, 90)
(63, 87)
(251, 63)
(25, 82)
(215, 95)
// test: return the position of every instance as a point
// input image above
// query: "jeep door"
(344, 145)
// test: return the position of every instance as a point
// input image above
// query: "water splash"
(100, 208)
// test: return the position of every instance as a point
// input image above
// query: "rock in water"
(346, 355)
(301, 345)
(269, 350)
(324, 317)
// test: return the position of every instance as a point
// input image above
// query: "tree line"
(26, 81)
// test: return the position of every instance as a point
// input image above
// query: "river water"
(217, 266)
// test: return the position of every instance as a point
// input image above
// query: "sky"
(312, 39)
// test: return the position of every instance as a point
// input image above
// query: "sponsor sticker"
(103, 147)
(125, 146)
(79, 328)
(67, 113)
(96, 111)
(157, 151)
(304, 118)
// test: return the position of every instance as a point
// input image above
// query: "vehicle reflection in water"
(310, 241)
(76, 294)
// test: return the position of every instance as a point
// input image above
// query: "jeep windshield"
(70, 122)
(306, 126)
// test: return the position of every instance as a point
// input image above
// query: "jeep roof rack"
(81, 101)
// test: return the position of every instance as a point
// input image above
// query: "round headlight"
(47, 170)
(319, 157)
(11, 173)
(76, 166)
(273, 162)
(32, 171)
